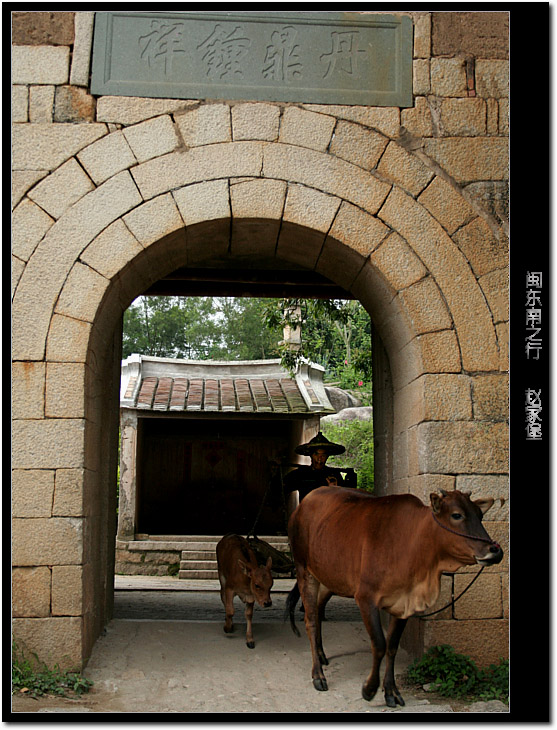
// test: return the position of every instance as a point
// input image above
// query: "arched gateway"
(205, 185)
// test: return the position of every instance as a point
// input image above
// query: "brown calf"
(240, 575)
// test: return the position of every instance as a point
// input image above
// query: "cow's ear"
(244, 567)
(435, 500)
(269, 562)
(484, 504)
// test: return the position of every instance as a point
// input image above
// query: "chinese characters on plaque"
(324, 57)
(533, 348)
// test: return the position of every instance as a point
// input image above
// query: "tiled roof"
(260, 386)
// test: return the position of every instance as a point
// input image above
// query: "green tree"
(335, 333)
(170, 327)
(243, 335)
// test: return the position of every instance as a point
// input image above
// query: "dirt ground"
(166, 652)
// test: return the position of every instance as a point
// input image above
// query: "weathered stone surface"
(354, 413)
(65, 390)
(483, 601)
(255, 121)
(62, 188)
(53, 541)
(55, 640)
(30, 592)
(32, 491)
(154, 219)
(305, 128)
(29, 225)
(397, 262)
(422, 35)
(68, 339)
(495, 286)
(22, 180)
(52, 144)
(68, 493)
(323, 172)
(81, 55)
(111, 250)
(73, 104)
(480, 246)
(45, 274)
(203, 202)
(453, 276)
(106, 157)
(425, 307)
(421, 84)
(464, 448)
(469, 159)
(446, 204)
(47, 444)
(28, 384)
(448, 77)
(18, 267)
(439, 397)
(20, 103)
(236, 159)
(383, 119)
(41, 104)
(132, 109)
(484, 641)
(356, 144)
(43, 28)
(490, 397)
(67, 590)
(404, 169)
(82, 293)
(463, 117)
(40, 64)
(481, 34)
(257, 198)
(493, 196)
(309, 207)
(358, 230)
(206, 124)
(422, 119)
(152, 138)
(502, 330)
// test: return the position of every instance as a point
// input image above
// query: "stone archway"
(370, 216)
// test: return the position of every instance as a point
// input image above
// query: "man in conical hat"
(305, 478)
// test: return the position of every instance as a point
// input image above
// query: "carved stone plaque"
(312, 57)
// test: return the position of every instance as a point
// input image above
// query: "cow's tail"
(291, 601)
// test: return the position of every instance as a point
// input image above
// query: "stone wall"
(406, 208)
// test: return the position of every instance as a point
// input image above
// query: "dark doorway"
(209, 477)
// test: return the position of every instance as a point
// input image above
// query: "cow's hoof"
(394, 700)
(250, 644)
(320, 684)
(228, 629)
(368, 694)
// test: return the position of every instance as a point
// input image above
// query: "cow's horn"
(443, 492)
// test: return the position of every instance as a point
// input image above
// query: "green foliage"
(456, 675)
(357, 438)
(173, 569)
(35, 678)
(335, 333)
(200, 328)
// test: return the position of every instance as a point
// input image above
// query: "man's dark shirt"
(305, 479)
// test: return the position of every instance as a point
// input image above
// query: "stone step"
(198, 574)
(198, 565)
(198, 555)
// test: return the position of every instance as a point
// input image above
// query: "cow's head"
(462, 519)
(261, 581)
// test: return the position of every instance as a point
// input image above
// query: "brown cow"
(240, 575)
(386, 552)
